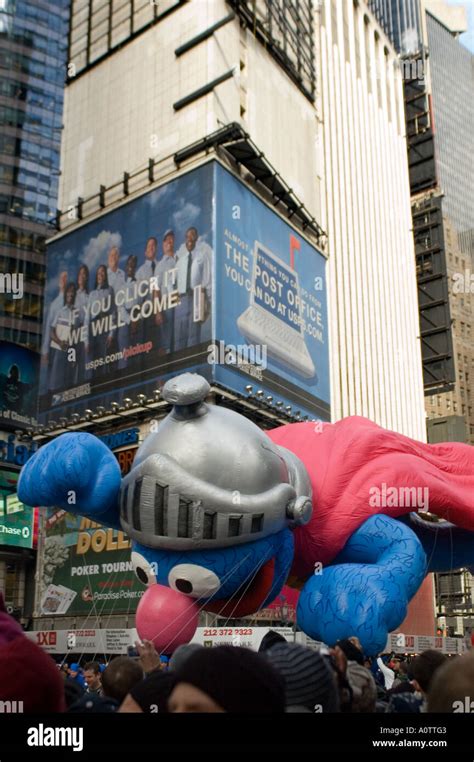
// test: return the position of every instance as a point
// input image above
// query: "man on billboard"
(194, 282)
(115, 275)
(166, 272)
(116, 278)
(100, 320)
(146, 271)
(64, 368)
(128, 329)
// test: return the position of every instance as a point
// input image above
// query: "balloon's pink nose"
(166, 617)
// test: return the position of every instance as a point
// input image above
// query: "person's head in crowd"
(227, 679)
(364, 690)
(191, 237)
(310, 683)
(182, 653)
(28, 675)
(101, 277)
(120, 676)
(131, 266)
(151, 694)
(70, 294)
(403, 670)
(151, 248)
(423, 668)
(92, 675)
(168, 243)
(270, 639)
(72, 691)
(394, 664)
(83, 278)
(113, 259)
(452, 687)
(355, 640)
(352, 651)
(75, 669)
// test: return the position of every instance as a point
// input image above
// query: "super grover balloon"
(222, 515)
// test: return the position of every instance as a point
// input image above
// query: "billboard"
(19, 370)
(169, 282)
(128, 297)
(86, 568)
(16, 519)
(271, 303)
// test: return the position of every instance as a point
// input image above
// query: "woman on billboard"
(82, 302)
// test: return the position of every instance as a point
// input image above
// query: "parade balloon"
(222, 514)
(166, 618)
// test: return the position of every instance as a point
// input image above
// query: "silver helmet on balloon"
(209, 478)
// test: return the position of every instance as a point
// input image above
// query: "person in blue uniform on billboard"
(147, 271)
(167, 278)
(100, 320)
(82, 303)
(128, 332)
(194, 282)
(64, 369)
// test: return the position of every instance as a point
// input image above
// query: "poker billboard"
(86, 568)
(19, 368)
(195, 275)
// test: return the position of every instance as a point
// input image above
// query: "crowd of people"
(281, 677)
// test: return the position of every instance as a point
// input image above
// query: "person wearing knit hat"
(227, 679)
(352, 652)
(270, 639)
(182, 653)
(28, 675)
(309, 680)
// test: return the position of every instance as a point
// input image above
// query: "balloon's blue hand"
(76, 472)
(367, 590)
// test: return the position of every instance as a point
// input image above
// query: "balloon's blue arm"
(76, 472)
(366, 590)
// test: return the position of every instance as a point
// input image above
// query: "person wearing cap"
(194, 279)
(167, 279)
(76, 673)
(310, 684)
(227, 679)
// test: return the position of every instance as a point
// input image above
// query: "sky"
(467, 39)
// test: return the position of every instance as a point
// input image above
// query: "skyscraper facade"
(33, 50)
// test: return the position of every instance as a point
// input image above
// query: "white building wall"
(374, 326)
(353, 178)
(120, 113)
